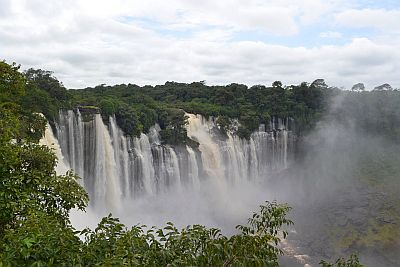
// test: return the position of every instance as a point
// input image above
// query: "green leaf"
(28, 242)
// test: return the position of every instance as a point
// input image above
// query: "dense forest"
(138, 108)
(35, 202)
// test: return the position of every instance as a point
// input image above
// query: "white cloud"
(5, 9)
(381, 19)
(92, 42)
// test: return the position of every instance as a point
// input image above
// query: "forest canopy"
(138, 108)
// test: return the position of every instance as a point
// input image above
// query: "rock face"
(89, 110)
(362, 221)
(88, 113)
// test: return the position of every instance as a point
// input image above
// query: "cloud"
(5, 8)
(92, 42)
(380, 19)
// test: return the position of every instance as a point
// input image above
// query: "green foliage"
(12, 83)
(44, 94)
(128, 120)
(139, 108)
(173, 127)
(39, 101)
(28, 182)
(250, 121)
(251, 106)
(109, 106)
(353, 261)
(28, 178)
(41, 240)
(243, 132)
(224, 123)
(46, 81)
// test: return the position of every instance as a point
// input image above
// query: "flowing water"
(116, 168)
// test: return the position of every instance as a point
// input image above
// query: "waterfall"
(144, 164)
(70, 136)
(51, 142)
(234, 158)
(106, 186)
(117, 168)
(200, 130)
(193, 169)
(121, 156)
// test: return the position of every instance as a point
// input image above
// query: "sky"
(92, 42)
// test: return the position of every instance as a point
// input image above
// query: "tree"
(224, 96)
(358, 87)
(319, 83)
(223, 123)
(128, 120)
(277, 84)
(39, 241)
(12, 83)
(173, 126)
(28, 182)
(47, 82)
(384, 87)
(353, 261)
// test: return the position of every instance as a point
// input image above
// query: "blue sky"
(91, 42)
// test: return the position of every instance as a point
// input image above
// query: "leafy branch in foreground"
(41, 240)
(255, 245)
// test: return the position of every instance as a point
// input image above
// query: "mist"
(344, 185)
(212, 206)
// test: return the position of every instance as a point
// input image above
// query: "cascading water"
(50, 141)
(107, 166)
(234, 159)
(70, 136)
(117, 168)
